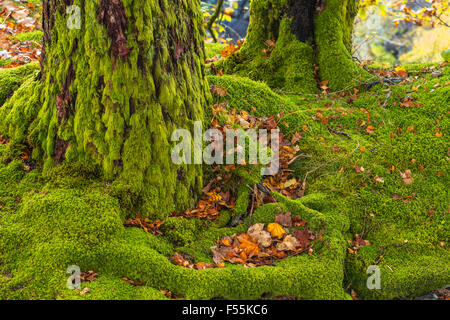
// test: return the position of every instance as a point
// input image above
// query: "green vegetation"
(72, 216)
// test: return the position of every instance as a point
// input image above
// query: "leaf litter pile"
(260, 245)
(145, 224)
(263, 245)
(16, 18)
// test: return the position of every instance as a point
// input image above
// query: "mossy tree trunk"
(287, 38)
(115, 90)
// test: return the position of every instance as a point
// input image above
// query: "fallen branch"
(214, 18)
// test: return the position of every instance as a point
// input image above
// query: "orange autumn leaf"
(248, 246)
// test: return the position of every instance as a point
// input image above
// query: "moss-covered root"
(317, 276)
(333, 36)
(11, 79)
(50, 230)
(304, 277)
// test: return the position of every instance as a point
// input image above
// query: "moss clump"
(182, 231)
(11, 79)
(29, 36)
(245, 94)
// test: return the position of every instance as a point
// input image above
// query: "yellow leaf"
(276, 230)
(227, 17)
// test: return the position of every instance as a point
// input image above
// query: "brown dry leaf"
(401, 72)
(200, 266)
(181, 261)
(378, 179)
(85, 290)
(296, 137)
(263, 237)
(370, 129)
(246, 244)
(284, 219)
(289, 243)
(218, 91)
(88, 276)
(298, 222)
(359, 169)
(304, 237)
(407, 177)
(145, 224)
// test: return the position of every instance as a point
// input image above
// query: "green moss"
(213, 49)
(111, 288)
(29, 36)
(182, 231)
(245, 94)
(118, 113)
(11, 79)
(334, 29)
(288, 65)
(223, 219)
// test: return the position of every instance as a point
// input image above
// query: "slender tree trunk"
(287, 38)
(115, 90)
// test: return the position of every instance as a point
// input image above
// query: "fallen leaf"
(304, 237)
(276, 230)
(406, 176)
(289, 243)
(284, 219)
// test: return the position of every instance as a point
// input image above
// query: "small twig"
(252, 207)
(339, 133)
(328, 163)
(298, 157)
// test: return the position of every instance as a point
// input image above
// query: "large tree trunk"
(287, 38)
(116, 89)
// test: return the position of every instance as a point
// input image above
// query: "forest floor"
(364, 186)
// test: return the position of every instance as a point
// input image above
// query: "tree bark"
(116, 89)
(287, 38)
